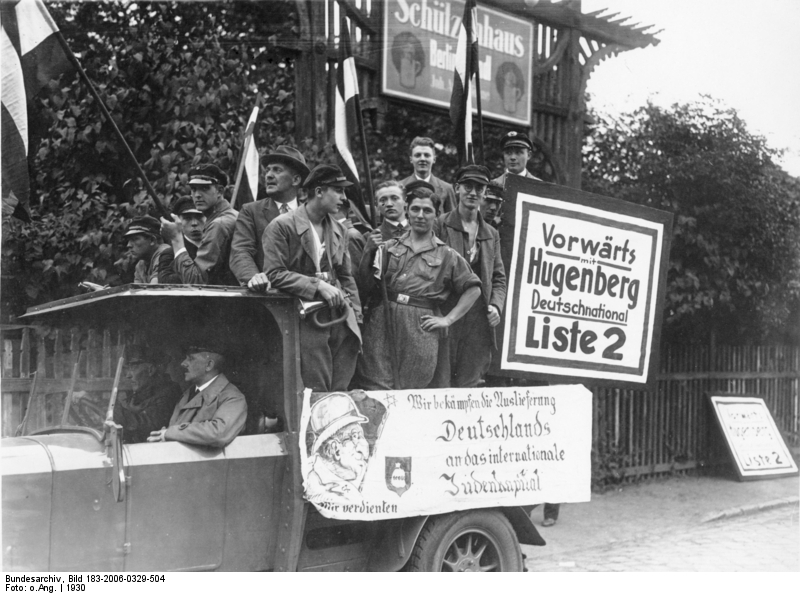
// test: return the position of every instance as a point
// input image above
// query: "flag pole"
(162, 210)
(248, 138)
(477, 71)
(363, 139)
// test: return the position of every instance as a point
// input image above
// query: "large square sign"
(586, 284)
(419, 52)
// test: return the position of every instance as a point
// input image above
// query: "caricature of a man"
(340, 451)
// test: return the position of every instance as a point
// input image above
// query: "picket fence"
(635, 433)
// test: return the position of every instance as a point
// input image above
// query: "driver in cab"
(212, 412)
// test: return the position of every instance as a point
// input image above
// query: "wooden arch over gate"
(568, 45)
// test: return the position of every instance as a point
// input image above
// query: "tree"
(735, 258)
(180, 80)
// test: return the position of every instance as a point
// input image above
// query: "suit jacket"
(247, 252)
(492, 272)
(502, 179)
(443, 189)
(288, 245)
(210, 265)
(212, 418)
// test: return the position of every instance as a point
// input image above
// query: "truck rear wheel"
(478, 540)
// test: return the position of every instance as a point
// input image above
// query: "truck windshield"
(47, 408)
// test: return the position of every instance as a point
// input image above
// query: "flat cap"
(207, 174)
(326, 175)
(477, 173)
(494, 191)
(515, 138)
(418, 189)
(144, 225)
(185, 206)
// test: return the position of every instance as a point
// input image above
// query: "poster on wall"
(419, 50)
(585, 285)
(394, 454)
(755, 444)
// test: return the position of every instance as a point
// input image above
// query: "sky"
(742, 52)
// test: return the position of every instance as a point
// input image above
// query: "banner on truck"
(394, 454)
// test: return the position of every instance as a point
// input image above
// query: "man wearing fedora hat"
(339, 450)
(153, 257)
(284, 172)
(517, 149)
(305, 255)
(210, 265)
(212, 412)
(473, 336)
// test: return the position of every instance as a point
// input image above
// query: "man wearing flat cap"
(212, 412)
(284, 172)
(153, 257)
(192, 223)
(305, 255)
(517, 148)
(339, 450)
(473, 336)
(210, 265)
(492, 204)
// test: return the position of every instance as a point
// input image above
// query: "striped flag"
(461, 99)
(346, 111)
(32, 56)
(246, 189)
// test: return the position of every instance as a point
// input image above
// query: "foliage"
(735, 258)
(180, 80)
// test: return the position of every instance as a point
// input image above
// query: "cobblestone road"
(762, 541)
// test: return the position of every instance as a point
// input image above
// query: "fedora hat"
(288, 156)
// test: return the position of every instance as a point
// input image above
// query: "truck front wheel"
(477, 540)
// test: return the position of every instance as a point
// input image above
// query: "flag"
(246, 189)
(466, 65)
(346, 120)
(31, 56)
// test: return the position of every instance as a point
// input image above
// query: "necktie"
(284, 208)
(192, 392)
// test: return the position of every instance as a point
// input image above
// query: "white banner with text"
(394, 454)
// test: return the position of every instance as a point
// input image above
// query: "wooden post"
(311, 76)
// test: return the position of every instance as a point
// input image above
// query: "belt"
(412, 301)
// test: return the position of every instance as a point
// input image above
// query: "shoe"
(548, 522)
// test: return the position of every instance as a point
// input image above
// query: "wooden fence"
(636, 433)
(644, 433)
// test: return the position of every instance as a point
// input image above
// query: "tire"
(477, 540)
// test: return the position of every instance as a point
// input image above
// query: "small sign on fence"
(754, 441)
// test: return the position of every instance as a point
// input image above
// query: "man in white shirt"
(517, 148)
(284, 172)
(423, 156)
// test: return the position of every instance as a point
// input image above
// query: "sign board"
(378, 455)
(585, 285)
(755, 444)
(419, 51)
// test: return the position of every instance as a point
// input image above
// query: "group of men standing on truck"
(420, 295)
(297, 240)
